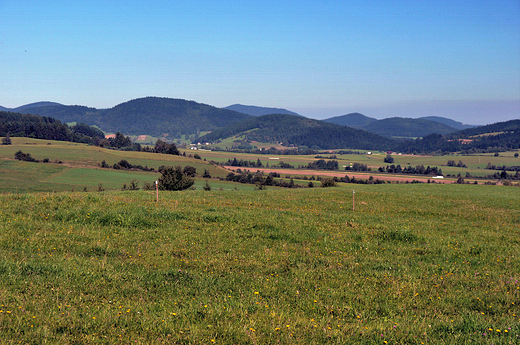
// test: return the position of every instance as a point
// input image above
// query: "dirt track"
(357, 175)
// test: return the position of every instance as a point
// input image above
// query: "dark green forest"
(501, 136)
(300, 131)
(150, 115)
(42, 127)
(159, 115)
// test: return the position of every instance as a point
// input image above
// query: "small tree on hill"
(189, 171)
(173, 179)
(165, 148)
(389, 159)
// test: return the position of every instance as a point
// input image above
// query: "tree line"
(48, 128)
(417, 170)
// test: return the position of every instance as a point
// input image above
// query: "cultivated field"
(80, 166)
(413, 264)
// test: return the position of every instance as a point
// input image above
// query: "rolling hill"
(64, 113)
(449, 122)
(396, 126)
(258, 111)
(405, 127)
(35, 105)
(157, 116)
(497, 137)
(174, 117)
(300, 131)
(150, 115)
(511, 126)
(355, 120)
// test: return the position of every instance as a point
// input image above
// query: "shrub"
(174, 179)
(189, 171)
(328, 182)
(24, 156)
(6, 140)
(389, 159)
(134, 185)
(148, 186)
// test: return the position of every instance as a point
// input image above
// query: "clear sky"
(459, 59)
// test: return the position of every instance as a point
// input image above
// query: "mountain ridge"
(158, 116)
(258, 111)
(398, 126)
(155, 116)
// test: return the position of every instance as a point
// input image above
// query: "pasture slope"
(414, 264)
(80, 167)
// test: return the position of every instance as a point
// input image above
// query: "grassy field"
(414, 264)
(476, 164)
(80, 167)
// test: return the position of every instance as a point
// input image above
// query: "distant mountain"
(65, 113)
(355, 120)
(396, 126)
(150, 115)
(497, 137)
(258, 111)
(511, 126)
(34, 105)
(405, 127)
(301, 131)
(157, 116)
(449, 122)
(4, 108)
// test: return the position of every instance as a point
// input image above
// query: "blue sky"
(459, 59)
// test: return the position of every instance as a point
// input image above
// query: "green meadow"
(80, 167)
(412, 264)
(364, 264)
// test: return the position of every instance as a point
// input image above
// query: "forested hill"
(42, 127)
(300, 131)
(406, 127)
(497, 137)
(65, 113)
(23, 108)
(151, 115)
(355, 120)
(156, 116)
(449, 122)
(258, 111)
(396, 126)
(498, 127)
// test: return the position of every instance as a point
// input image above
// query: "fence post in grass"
(157, 191)
(353, 202)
